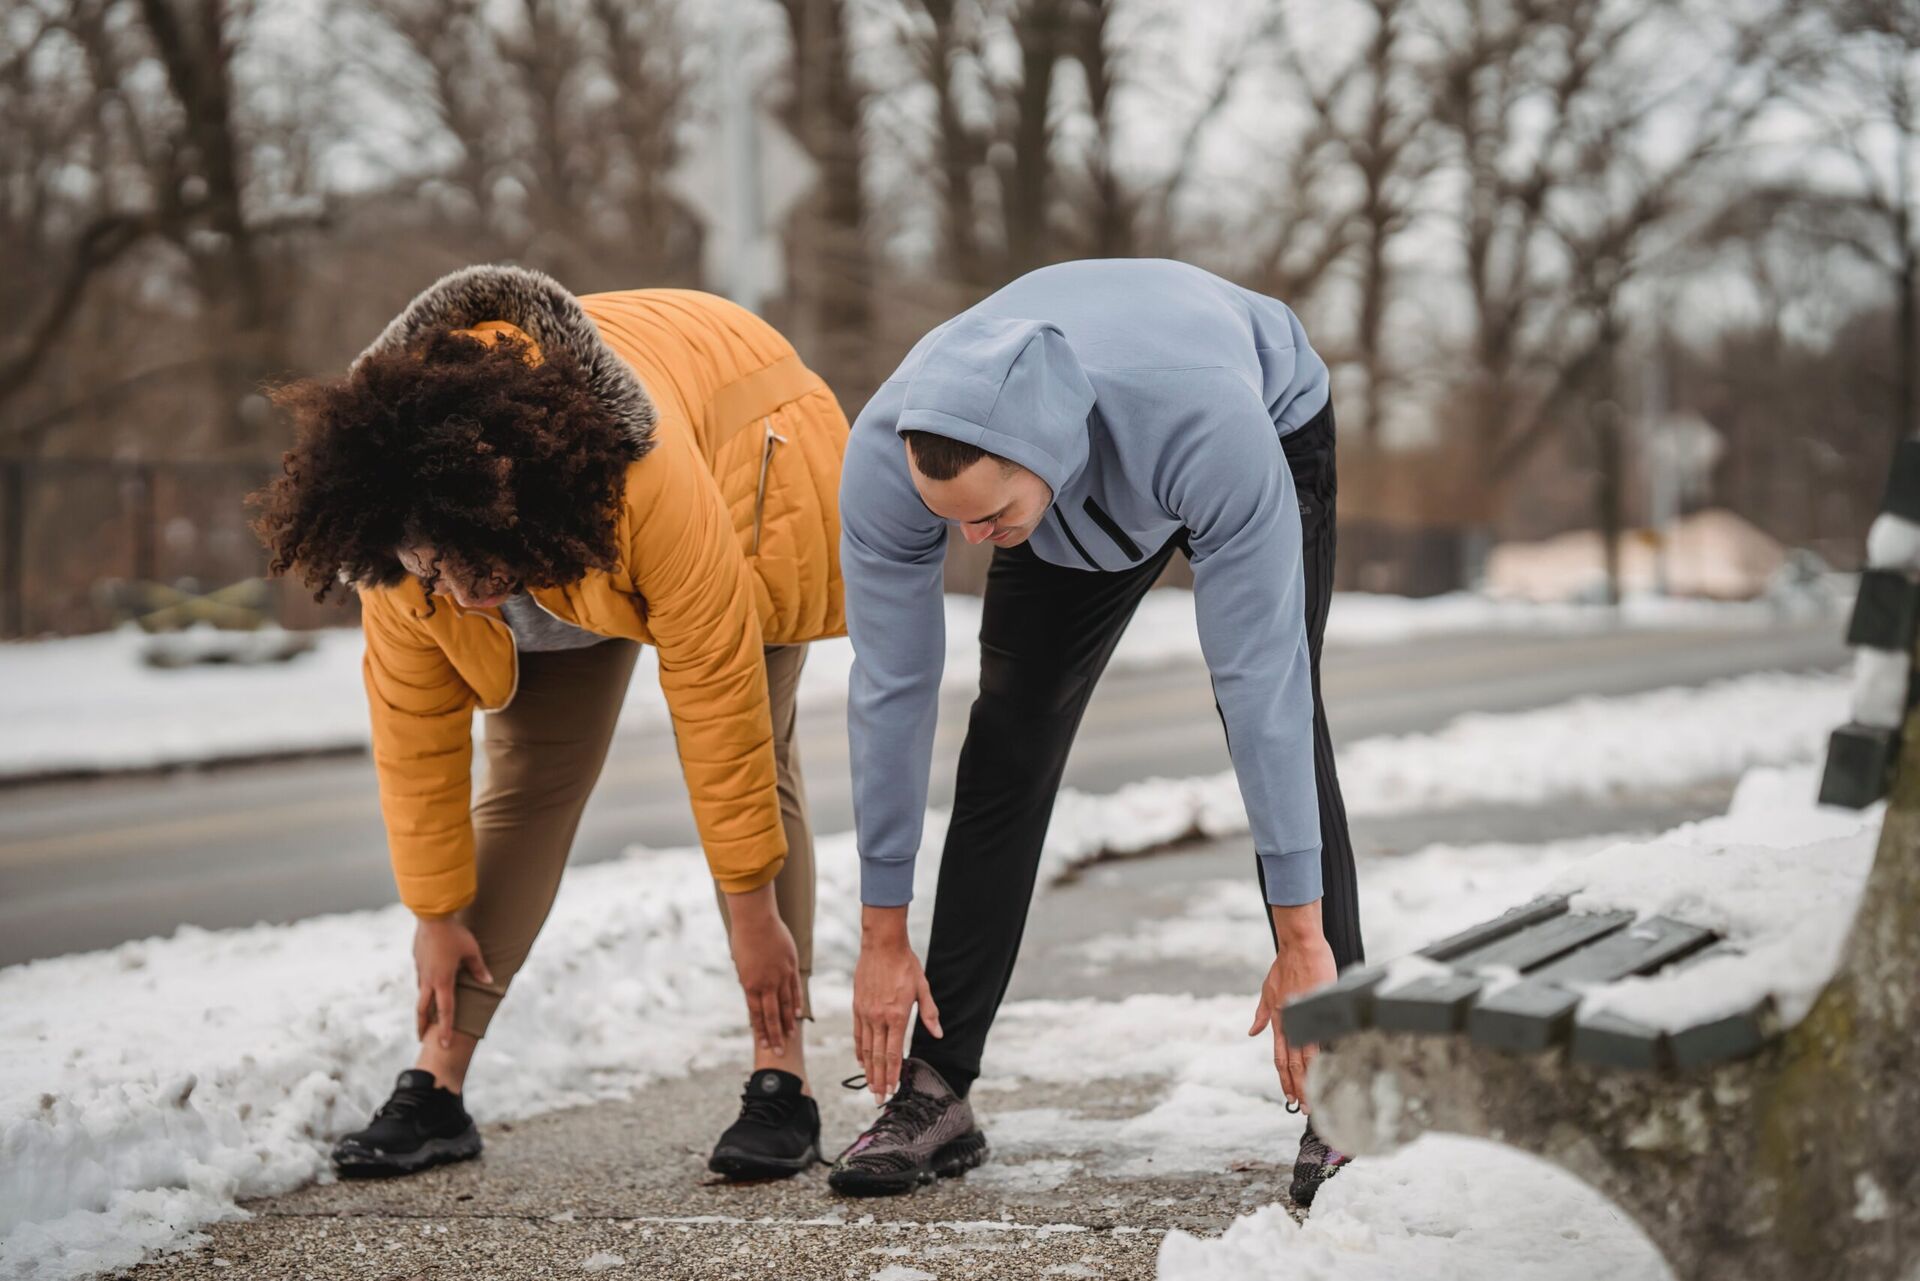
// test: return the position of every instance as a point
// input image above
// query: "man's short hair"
(942, 457)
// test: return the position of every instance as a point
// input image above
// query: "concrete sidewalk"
(621, 1189)
(568, 1194)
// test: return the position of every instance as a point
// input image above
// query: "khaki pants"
(544, 753)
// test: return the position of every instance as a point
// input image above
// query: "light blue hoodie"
(1151, 396)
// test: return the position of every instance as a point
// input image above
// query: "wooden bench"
(1743, 1148)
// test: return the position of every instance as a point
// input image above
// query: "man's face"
(992, 501)
(470, 588)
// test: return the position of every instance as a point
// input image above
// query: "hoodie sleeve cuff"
(886, 884)
(1292, 878)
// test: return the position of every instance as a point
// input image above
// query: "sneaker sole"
(743, 1167)
(368, 1164)
(967, 1152)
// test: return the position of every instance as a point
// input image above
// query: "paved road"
(90, 864)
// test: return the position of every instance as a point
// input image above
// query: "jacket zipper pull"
(760, 494)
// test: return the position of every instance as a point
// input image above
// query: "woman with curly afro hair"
(524, 487)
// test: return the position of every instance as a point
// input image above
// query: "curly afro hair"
(500, 463)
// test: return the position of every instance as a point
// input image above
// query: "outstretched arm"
(1235, 493)
(891, 552)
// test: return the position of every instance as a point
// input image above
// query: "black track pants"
(1046, 633)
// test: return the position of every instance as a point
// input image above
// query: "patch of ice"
(604, 1261)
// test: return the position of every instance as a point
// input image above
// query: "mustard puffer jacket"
(729, 539)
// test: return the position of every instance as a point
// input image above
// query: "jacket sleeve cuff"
(886, 884)
(1292, 878)
(749, 881)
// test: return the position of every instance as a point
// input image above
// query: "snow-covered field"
(144, 1089)
(89, 704)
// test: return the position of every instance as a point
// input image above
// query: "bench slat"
(1345, 1006)
(1341, 1008)
(1538, 1013)
(1607, 1040)
(1434, 1006)
(1502, 926)
(1733, 1037)
(1547, 941)
(1439, 1005)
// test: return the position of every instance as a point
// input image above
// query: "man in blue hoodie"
(1091, 420)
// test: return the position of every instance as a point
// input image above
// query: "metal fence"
(71, 528)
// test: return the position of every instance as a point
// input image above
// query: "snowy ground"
(89, 704)
(144, 1089)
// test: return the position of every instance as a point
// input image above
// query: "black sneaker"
(421, 1125)
(1314, 1166)
(925, 1131)
(777, 1135)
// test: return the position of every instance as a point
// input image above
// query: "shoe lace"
(901, 1116)
(402, 1104)
(765, 1110)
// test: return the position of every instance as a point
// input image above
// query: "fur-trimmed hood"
(541, 308)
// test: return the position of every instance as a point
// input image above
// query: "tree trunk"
(831, 271)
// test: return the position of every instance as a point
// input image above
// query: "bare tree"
(1580, 169)
(565, 117)
(831, 266)
(1872, 65)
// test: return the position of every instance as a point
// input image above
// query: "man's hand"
(441, 949)
(768, 965)
(886, 983)
(1305, 962)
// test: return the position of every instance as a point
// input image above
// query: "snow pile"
(1361, 618)
(1220, 1101)
(1593, 747)
(1440, 1209)
(1779, 875)
(91, 703)
(144, 1089)
(1406, 902)
(1778, 879)
(1596, 747)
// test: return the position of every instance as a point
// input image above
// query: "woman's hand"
(441, 949)
(768, 963)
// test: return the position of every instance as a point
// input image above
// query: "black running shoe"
(422, 1125)
(778, 1132)
(925, 1131)
(1314, 1166)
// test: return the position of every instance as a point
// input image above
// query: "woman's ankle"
(449, 1065)
(794, 1062)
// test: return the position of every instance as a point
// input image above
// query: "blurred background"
(1634, 276)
